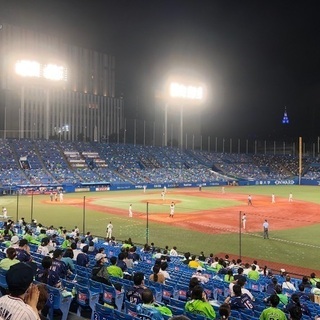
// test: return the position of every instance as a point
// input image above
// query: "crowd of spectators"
(49, 162)
(153, 280)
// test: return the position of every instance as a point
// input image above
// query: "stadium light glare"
(26, 68)
(54, 72)
(184, 92)
(178, 90)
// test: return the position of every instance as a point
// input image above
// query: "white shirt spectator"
(173, 252)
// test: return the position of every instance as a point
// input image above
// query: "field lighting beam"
(184, 92)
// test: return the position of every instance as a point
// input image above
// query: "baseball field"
(207, 220)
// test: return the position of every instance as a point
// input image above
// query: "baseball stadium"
(70, 159)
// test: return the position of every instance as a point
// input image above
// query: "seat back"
(102, 313)
(131, 309)
(112, 297)
(182, 292)
(95, 286)
(195, 316)
(167, 293)
(56, 301)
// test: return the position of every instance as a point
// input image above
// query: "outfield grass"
(298, 246)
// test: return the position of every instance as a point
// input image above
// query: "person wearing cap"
(23, 252)
(21, 302)
(99, 272)
(134, 294)
(10, 260)
(14, 242)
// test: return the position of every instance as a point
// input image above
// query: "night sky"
(256, 56)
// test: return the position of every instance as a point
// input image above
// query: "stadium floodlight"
(183, 92)
(178, 90)
(26, 68)
(54, 72)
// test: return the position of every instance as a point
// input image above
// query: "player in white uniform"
(273, 198)
(162, 195)
(171, 210)
(130, 211)
(249, 200)
(290, 197)
(4, 212)
(109, 230)
(244, 221)
(61, 196)
(144, 188)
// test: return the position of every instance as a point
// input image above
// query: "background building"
(81, 107)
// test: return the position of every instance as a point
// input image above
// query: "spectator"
(229, 276)
(134, 294)
(202, 257)
(156, 276)
(241, 282)
(302, 294)
(43, 249)
(287, 284)
(21, 302)
(306, 283)
(75, 250)
(296, 307)
(113, 269)
(120, 263)
(224, 311)
(194, 263)
(23, 252)
(99, 271)
(313, 279)
(271, 287)
(10, 260)
(173, 251)
(58, 265)
(67, 259)
(192, 283)
(149, 308)
(47, 275)
(239, 300)
(43, 298)
(83, 258)
(253, 274)
(316, 290)
(283, 299)
(273, 312)
(239, 275)
(163, 270)
(199, 303)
